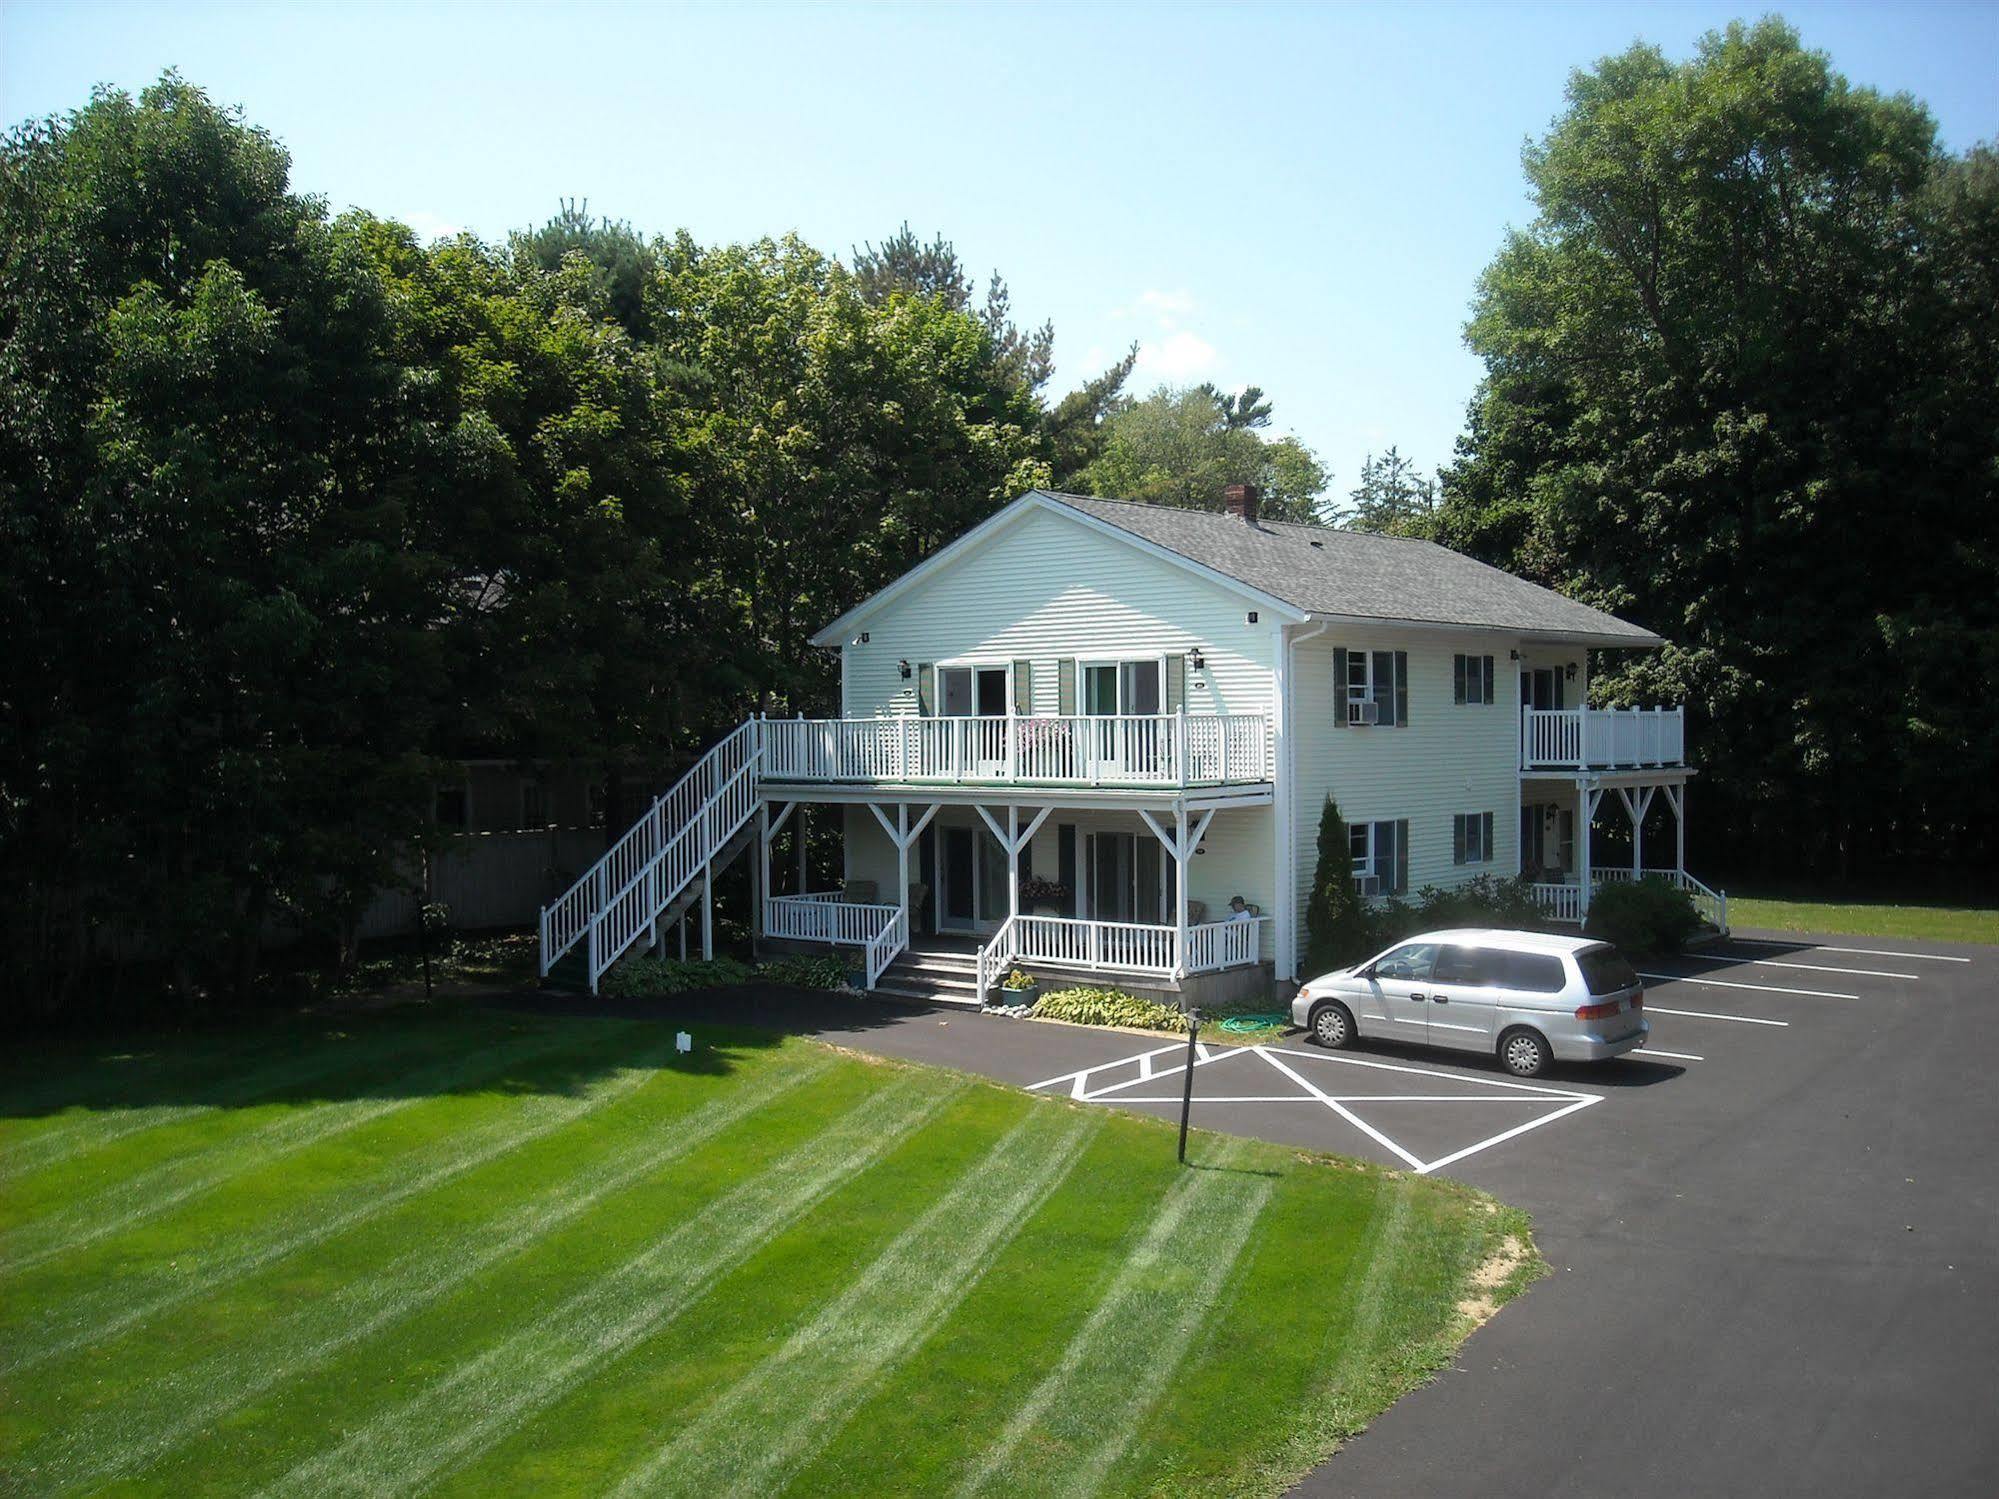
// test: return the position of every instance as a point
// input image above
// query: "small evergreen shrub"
(1337, 927)
(648, 978)
(1108, 1007)
(1643, 916)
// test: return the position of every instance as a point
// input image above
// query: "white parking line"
(1652, 1009)
(1415, 1162)
(1688, 978)
(1865, 952)
(1653, 1051)
(1872, 973)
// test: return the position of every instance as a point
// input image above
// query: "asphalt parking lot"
(1772, 1232)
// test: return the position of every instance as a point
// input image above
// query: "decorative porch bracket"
(1637, 802)
(902, 835)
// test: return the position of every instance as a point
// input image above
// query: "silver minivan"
(1527, 997)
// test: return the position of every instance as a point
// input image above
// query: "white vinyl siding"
(1443, 761)
(1048, 588)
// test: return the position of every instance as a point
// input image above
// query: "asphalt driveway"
(1772, 1234)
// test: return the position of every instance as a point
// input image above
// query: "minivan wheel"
(1524, 1053)
(1332, 1026)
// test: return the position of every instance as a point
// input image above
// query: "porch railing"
(1564, 902)
(881, 932)
(1159, 749)
(1602, 738)
(1139, 948)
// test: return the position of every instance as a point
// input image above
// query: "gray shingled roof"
(1324, 571)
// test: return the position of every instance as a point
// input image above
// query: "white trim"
(1019, 508)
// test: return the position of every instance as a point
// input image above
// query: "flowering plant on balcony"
(1040, 892)
(1042, 733)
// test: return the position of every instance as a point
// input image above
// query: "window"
(1380, 852)
(452, 808)
(973, 691)
(1531, 972)
(1471, 680)
(534, 805)
(1605, 970)
(1372, 688)
(1471, 838)
(1111, 687)
(1411, 963)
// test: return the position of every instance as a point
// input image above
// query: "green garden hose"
(1254, 1022)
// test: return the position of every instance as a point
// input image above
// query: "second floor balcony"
(1142, 750)
(1607, 739)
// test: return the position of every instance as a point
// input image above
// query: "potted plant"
(1044, 897)
(1020, 987)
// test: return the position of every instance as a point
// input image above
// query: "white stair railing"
(657, 858)
(996, 956)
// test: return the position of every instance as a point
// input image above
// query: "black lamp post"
(1187, 1087)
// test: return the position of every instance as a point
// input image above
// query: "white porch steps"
(936, 978)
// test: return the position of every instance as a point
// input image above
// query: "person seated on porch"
(1239, 909)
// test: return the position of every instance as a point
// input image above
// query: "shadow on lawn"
(824, 1015)
(401, 1052)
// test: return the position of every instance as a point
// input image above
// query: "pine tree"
(1335, 925)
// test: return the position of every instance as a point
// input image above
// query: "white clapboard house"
(1071, 737)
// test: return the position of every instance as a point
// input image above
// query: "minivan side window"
(1532, 972)
(1412, 961)
(1605, 971)
(1465, 965)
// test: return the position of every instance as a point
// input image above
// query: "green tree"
(1742, 385)
(1184, 447)
(217, 597)
(1336, 928)
(1392, 498)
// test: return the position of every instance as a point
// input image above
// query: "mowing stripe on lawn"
(1084, 1414)
(485, 1398)
(768, 1424)
(148, 1193)
(116, 1306)
(72, 1137)
(175, 1407)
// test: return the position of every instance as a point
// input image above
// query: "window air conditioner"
(1367, 712)
(1369, 885)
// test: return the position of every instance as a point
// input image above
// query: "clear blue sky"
(1302, 198)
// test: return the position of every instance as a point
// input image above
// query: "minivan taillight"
(1638, 1000)
(1597, 1012)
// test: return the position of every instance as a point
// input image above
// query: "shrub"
(1336, 922)
(805, 973)
(647, 978)
(1643, 916)
(1108, 1007)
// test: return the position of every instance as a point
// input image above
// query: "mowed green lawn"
(474, 1252)
(1866, 919)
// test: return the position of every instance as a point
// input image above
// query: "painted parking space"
(1425, 1117)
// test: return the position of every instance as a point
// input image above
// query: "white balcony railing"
(1602, 738)
(1564, 901)
(1160, 749)
(1130, 947)
(879, 931)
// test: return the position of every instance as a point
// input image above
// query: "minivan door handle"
(1419, 998)
(1441, 999)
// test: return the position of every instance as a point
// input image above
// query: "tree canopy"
(1186, 446)
(1742, 386)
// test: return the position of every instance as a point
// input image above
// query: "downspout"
(1286, 965)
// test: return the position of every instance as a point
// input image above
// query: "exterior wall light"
(1570, 672)
(902, 668)
(1196, 661)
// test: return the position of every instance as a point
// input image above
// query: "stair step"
(925, 963)
(887, 990)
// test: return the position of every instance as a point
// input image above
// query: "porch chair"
(860, 892)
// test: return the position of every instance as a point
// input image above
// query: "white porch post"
(758, 925)
(1012, 856)
(707, 912)
(1678, 797)
(1180, 852)
(902, 861)
(798, 837)
(1586, 807)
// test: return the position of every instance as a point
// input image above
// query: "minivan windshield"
(1605, 970)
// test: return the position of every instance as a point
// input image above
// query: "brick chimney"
(1240, 500)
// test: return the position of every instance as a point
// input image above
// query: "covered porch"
(1110, 887)
(1559, 836)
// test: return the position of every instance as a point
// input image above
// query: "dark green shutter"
(1488, 837)
(926, 689)
(1339, 687)
(1458, 685)
(1176, 683)
(1065, 864)
(1065, 686)
(1384, 688)
(1401, 689)
(1023, 688)
(1457, 839)
(1401, 885)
